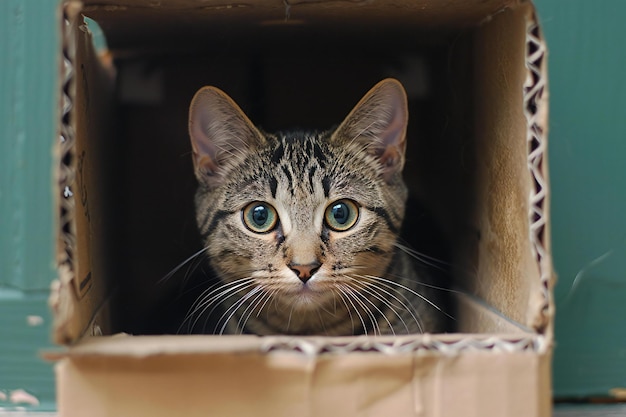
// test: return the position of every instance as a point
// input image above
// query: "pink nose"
(304, 272)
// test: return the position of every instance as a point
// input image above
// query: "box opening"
(299, 64)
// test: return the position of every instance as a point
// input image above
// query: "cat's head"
(296, 223)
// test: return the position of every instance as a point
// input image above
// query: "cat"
(301, 228)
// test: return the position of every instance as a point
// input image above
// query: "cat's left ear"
(221, 134)
(378, 123)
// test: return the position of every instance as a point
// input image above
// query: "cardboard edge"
(541, 306)
(124, 345)
(65, 295)
(61, 299)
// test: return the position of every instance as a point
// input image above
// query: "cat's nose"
(304, 272)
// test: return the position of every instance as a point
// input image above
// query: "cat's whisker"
(337, 292)
(208, 296)
(225, 296)
(422, 257)
(410, 308)
(373, 289)
(370, 314)
(236, 307)
(410, 250)
(423, 284)
(411, 280)
(342, 290)
(269, 297)
(361, 287)
(321, 319)
(404, 287)
(293, 305)
(203, 303)
(251, 306)
(194, 307)
(426, 260)
(179, 266)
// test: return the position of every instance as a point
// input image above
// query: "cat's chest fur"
(302, 228)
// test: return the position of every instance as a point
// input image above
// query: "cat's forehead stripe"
(299, 157)
(326, 185)
(273, 185)
(312, 171)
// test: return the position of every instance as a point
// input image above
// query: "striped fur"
(365, 283)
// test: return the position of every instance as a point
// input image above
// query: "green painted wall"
(29, 49)
(588, 173)
(587, 64)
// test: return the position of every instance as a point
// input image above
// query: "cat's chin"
(306, 297)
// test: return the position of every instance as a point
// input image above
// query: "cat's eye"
(341, 215)
(260, 217)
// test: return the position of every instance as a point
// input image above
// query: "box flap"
(287, 383)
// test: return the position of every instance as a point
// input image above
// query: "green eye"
(260, 217)
(341, 215)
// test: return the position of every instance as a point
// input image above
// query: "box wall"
(493, 377)
(281, 383)
(87, 223)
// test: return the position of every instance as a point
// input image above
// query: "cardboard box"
(475, 73)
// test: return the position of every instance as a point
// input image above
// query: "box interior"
(297, 64)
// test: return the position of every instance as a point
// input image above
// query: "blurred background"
(587, 154)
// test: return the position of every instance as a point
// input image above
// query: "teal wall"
(587, 64)
(29, 50)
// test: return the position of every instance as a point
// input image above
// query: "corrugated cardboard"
(483, 167)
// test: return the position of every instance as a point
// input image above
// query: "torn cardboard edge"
(124, 345)
(65, 298)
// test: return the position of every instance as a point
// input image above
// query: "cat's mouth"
(307, 295)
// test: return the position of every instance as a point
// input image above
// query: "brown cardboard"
(482, 166)
(84, 188)
(194, 376)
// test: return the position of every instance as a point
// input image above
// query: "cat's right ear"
(378, 124)
(221, 134)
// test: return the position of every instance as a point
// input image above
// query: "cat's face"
(295, 224)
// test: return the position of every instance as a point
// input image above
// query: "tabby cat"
(302, 227)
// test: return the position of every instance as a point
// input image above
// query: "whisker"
(179, 266)
(293, 305)
(410, 309)
(342, 289)
(226, 296)
(209, 297)
(362, 287)
(426, 260)
(319, 315)
(236, 307)
(251, 306)
(270, 295)
(422, 257)
(355, 297)
(346, 305)
(423, 284)
(412, 292)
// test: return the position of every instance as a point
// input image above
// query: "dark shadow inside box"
(284, 78)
